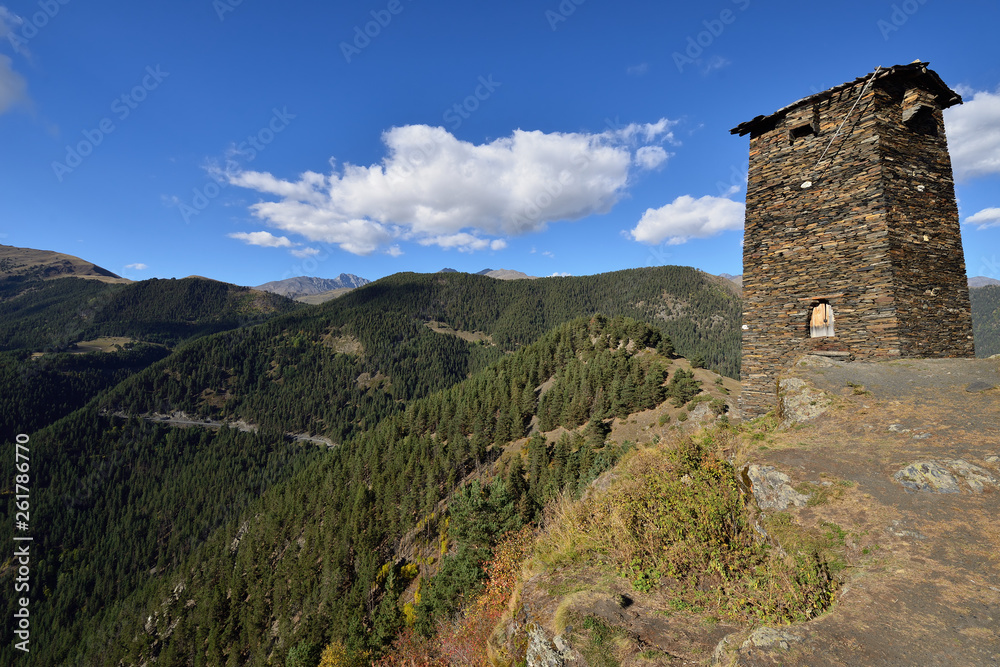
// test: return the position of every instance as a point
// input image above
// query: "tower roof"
(915, 70)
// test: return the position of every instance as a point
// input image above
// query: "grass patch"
(820, 494)
(675, 519)
(599, 646)
(858, 389)
(824, 544)
(563, 615)
(697, 400)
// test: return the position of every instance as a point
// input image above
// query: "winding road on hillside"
(242, 426)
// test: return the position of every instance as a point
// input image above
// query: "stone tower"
(852, 245)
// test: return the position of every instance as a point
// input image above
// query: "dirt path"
(922, 585)
(183, 421)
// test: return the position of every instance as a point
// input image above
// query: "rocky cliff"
(893, 468)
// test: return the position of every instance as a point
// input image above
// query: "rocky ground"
(900, 462)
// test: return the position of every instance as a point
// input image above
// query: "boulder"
(944, 476)
(772, 488)
(799, 401)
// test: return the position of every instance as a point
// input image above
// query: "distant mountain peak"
(508, 274)
(300, 286)
(982, 281)
(499, 274)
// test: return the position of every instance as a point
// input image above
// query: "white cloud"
(647, 131)
(559, 274)
(434, 189)
(394, 251)
(304, 252)
(13, 88)
(548, 253)
(8, 19)
(988, 217)
(263, 239)
(973, 131)
(138, 266)
(686, 218)
(464, 242)
(650, 157)
(638, 70)
(712, 64)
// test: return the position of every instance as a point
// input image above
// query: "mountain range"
(242, 478)
(499, 274)
(302, 286)
(983, 281)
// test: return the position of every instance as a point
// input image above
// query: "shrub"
(682, 387)
(718, 407)
(465, 640)
(303, 654)
(677, 519)
(334, 655)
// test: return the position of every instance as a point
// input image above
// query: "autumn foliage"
(464, 640)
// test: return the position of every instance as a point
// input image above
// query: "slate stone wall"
(866, 238)
(931, 287)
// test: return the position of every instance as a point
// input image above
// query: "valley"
(239, 478)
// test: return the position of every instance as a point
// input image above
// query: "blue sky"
(250, 141)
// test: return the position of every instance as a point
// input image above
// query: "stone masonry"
(862, 224)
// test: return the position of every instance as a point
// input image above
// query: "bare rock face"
(762, 640)
(543, 653)
(771, 637)
(772, 489)
(945, 477)
(799, 401)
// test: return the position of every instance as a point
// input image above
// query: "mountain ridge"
(301, 286)
(499, 274)
(982, 281)
(48, 264)
(221, 548)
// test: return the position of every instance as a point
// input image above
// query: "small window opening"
(920, 119)
(821, 321)
(799, 131)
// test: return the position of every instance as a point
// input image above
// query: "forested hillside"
(698, 313)
(341, 367)
(225, 546)
(43, 374)
(986, 319)
(50, 315)
(45, 315)
(37, 392)
(132, 509)
(314, 560)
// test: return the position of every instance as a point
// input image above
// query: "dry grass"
(103, 344)
(469, 336)
(675, 519)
